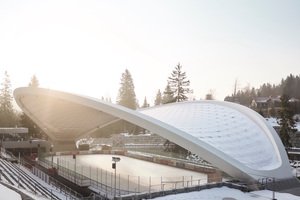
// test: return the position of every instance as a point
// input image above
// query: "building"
(232, 137)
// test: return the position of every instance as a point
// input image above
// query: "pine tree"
(178, 84)
(168, 96)
(126, 96)
(7, 115)
(34, 82)
(145, 104)
(33, 130)
(158, 99)
(208, 97)
(286, 121)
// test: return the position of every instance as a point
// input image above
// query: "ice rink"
(137, 172)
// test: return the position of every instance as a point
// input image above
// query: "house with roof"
(267, 106)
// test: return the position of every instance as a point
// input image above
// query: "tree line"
(289, 86)
(176, 90)
(287, 89)
(11, 117)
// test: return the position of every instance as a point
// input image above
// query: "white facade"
(232, 137)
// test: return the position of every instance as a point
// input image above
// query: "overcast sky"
(84, 46)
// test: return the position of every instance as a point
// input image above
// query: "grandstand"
(22, 176)
(126, 140)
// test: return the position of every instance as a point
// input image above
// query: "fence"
(58, 186)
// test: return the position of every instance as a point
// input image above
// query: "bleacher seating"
(120, 140)
(13, 175)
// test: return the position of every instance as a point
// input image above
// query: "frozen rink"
(132, 174)
(140, 175)
(88, 165)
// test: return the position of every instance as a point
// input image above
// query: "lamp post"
(74, 157)
(30, 148)
(114, 166)
(51, 149)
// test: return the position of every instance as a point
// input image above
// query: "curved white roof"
(224, 128)
(230, 136)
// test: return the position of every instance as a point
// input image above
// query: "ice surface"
(97, 167)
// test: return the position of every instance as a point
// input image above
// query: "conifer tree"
(7, 115)
(158, 99)
(34, 82)
(179, 85)
(33, 130)
(126, 96)
(168, 96)
(145, 104)
(286, 121)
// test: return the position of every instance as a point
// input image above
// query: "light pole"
(51, 149)
(114, 166)
(74, 157)
(30, 148)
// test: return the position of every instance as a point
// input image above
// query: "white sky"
(84, 46)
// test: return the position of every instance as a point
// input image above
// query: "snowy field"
(226, 193)
(223, 193)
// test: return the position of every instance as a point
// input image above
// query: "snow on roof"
(262, 99)
(224, 128)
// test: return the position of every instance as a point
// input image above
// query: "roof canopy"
(232, 137)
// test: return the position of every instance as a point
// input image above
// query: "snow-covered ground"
(229, 194)
(215, 193)
(273, 122)
(9, 194)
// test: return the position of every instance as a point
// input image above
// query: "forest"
(289, 86)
